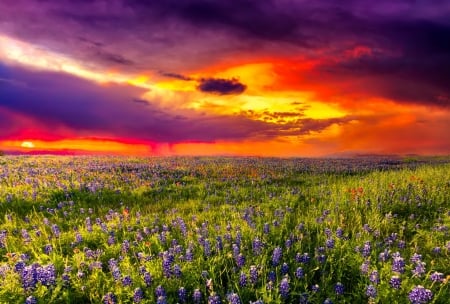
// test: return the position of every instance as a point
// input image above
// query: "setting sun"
(27, 144)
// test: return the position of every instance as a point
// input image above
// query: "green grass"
(395, 206)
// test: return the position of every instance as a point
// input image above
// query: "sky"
(201, 77)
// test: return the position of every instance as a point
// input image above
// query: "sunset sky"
(199, 77)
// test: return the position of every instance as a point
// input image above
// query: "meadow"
(224, 230)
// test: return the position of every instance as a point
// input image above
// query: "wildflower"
(197, 296)
(419, 270)
(374, 277)
(110, 298)
(299, 273)
(395, 282)
(315, 288)
(420, 295)
(161, 300)
(284, 287)
(437, 277)
(398, 263)
(257, 246)
(30, 300)
(214, 299)
(330, 243)
(160, 292)
(339, 289)
(327, 301)
(284, 269)
(48, 249)
(276, 256)
(366, 249)
(339, 233)
(253, 274)
(371, 291)
(182, 294)
(240, 260)
(177, 271)
(243, 280)
(233, 298)
(138, 295)
(126, 281)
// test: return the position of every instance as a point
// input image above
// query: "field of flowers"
(224, 230)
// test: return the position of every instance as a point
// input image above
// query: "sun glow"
(27, 145)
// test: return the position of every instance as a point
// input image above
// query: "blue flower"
(138, 295)
(420, 295)
(197, 296)
(395, 282)
(339, 289)
(371, 291)
(276, 256)
(109, 298)
(233, 298)
(284, 287)
(182, 294)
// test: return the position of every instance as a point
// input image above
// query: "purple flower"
(55, 230)
(109, 298)
(371, 291)
(276, 256)
(339, 289)
(398, 263)
(299, 273)
(240, 260)
(257, 246)
(161, 300)
(197, 296)
(419, 270)
(30, 300)
(182, 294)
(420, 295)
(253, 274)
(214, 299)
(160, 292)
(48, 249)
(395, 282)
(233, 298)
(437, 277)
(366, 249)
(243, 280)
(138, 295)
(126, 281)
(374, 277)
(177, 271)
(284, 269)
(416, 258)
(339, 233)
(284, 287)
(330, 243)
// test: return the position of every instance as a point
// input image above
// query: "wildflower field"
(224, 230)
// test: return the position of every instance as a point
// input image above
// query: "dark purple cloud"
(184, 35)
(56, 101)
(221, 86)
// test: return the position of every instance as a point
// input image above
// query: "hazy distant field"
(224, 230)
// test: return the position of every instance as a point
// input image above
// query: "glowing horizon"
(98, 79)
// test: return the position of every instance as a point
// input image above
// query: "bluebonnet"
(233, 298)
(374, 277)
(55, 230)
(371, 291)
(257, 246)
(437, 277)
(253, 274)
(214, 299)
(398, 263)
(110, 298)
(177, 271)
(276, 256)
(160, 292)
(126, 280)
(420, 295)
(197, 296)
(299, 273)
(366, 250)
(329, 243)
(284, 287)
(284, 269)
(419, 269)
(182, 294)
(339, 289)
(30, 300)
(138, 295)
(161, 300)
(219, 243)
(240, 260)
(243, 280)
(395, 282)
